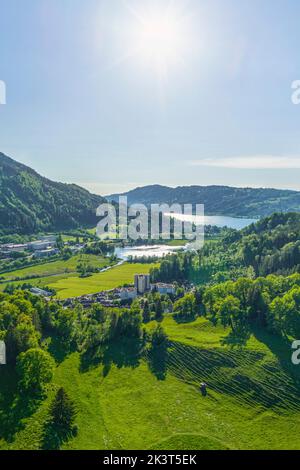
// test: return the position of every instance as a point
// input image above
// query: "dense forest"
(270, 246)
(30, 203)
(272, 302)
(219, 200)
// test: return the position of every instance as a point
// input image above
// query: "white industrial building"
(11, 248)
(41, 245)
(46, 253)
(142, 283)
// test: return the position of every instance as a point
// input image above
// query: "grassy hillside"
(253, 399)
(30, 203)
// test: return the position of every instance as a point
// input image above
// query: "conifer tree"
(63, 411)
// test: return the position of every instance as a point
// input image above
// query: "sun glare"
(158, 37)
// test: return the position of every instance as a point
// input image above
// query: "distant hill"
(219, 200)
(30, 203)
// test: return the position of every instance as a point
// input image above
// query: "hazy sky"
(115, 94)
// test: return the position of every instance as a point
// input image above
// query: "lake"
(237, 223)
(159, 251)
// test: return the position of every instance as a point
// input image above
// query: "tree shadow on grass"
(122, 352)
(226, 372)
(237, 339)
(182, 319)
(282, 349)
(157, 358)
(250, 375)
(59, 350)
(54, 437)
(126, 353)
(14, 407)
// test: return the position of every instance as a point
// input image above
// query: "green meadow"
(252, 402)
(57, 267)
(114, 277)
(67, 282)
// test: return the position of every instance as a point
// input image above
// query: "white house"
(2, 353)
(128, 293)
(164, 288)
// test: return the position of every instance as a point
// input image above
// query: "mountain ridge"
(217, 199)
(30, 202)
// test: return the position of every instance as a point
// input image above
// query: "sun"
(158, 36)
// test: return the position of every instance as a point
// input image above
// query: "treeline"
(22, 320)
(28, 323)
(174, 267)
(142, 259)
(99, 248)
(272, 245)
(154, 305)
(272, 302)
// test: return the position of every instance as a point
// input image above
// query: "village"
(118, 297)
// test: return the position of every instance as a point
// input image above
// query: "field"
(252, 402)
(61, 276)
(115, 277)
(57, 267)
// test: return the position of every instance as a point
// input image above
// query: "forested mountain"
(219, 200)
(31, 203)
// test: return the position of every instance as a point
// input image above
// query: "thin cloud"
(259, 162)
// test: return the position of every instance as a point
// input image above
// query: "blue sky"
(81, 107)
